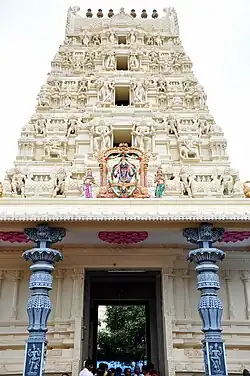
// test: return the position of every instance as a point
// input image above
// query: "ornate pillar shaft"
(210, 306)
(39, 305)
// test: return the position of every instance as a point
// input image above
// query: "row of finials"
(100, 14)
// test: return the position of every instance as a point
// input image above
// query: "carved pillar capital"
(45, 235)
(204, 235)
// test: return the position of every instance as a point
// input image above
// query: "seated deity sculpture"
(123, 173)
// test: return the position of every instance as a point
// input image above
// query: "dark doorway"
(124, 288)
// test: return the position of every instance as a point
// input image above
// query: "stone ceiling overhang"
(168, 210)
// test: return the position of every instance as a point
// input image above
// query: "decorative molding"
(168, 209)
(123, 237)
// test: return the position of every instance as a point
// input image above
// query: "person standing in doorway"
(88, 368)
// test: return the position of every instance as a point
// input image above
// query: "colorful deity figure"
(161, 185)
(124, 177)
(88, 182)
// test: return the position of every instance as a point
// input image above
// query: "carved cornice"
(165, 209)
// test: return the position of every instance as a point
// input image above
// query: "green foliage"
(124, 338)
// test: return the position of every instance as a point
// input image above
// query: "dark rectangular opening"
(122, 96)
(122, 136)
(122, 39)
(122, 63)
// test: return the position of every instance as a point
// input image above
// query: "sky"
(215, 35)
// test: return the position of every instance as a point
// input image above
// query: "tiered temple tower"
(121, 98)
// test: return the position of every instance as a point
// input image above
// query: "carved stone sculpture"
(101, 136)
(112, 37)
(110, 61)
(72, 124)
(189, 149)
(138, 92)
(59, 183)
(40, 126)
(171, 125)
(52, 149)
(143, 135)
(82, 92)
(131, 38)
(203, 126)
(18, 182)
(106, 91)
(186, 182)
(134, 62)
(227, 182)
(44, 97)
(86, 38)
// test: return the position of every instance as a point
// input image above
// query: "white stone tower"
(121, 113)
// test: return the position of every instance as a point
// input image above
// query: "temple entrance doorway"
(123, 291)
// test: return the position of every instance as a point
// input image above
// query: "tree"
(124, 338)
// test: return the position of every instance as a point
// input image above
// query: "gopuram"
(125, 172)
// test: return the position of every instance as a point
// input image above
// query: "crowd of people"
(103, 370)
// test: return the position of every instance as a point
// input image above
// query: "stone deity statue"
(106, 91)
(40, 126)
(186, 182)
(110, 63)
(227, 182)
(131, 38)
(143, 136)
(112, 37)
(139, 92)
(59, 183)
(71, 126)
(134, 63)
(17, 183)
(172, 125)
(102, 136)
(189, 149)
(203, 127)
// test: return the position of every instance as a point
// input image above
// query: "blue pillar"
(210, 307)
(43, 259)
